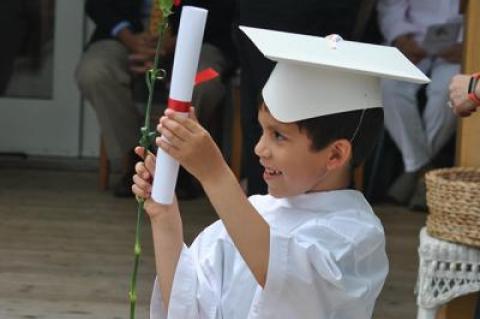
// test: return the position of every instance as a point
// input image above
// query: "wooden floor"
(66, 249)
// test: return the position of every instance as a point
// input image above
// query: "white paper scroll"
(187, 53)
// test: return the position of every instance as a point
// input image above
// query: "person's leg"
(439, 120)
(104, 80)
(404, 123)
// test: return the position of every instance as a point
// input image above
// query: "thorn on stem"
(132, 296)
(137, 249)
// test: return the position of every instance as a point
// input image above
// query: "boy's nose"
(260, 149)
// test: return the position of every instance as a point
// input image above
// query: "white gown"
(327, 260)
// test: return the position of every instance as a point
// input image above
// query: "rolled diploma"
(187, 54)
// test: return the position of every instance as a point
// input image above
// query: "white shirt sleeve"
(183, 293)
(196, 288)
(392, 19)
(319, 272)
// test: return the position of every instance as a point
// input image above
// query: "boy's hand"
(191, 145)
(142, 186)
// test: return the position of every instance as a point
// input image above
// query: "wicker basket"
(453, 199)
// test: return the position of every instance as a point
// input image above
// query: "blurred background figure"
(419, 136)
(105, 77)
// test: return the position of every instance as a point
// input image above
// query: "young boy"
(311, 248)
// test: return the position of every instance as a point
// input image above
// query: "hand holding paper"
(187, 53)
(191, 145)
(441, 36)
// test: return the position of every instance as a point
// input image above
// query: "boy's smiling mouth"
(270, 173)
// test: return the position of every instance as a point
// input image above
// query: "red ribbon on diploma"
(179, 106)
(202, 76)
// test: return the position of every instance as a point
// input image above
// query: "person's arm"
(118, 18)
(138, 43)
(397, 30)
(166, 226)
(140, 62)
(392, 19)
(196, 151)
(453, 53)
(461, 104)
(477, 89)
(107, 14)
(167, 237)
(410, 48)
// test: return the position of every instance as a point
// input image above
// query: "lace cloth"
(446, 271)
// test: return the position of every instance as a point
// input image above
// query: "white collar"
(326, 201)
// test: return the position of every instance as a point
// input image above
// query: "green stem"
(137, 251)
(152, 76)
(145, 142)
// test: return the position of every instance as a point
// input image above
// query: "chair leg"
(236, 161)
(104, 167)
(426, 313)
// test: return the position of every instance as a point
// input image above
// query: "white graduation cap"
(315, 77)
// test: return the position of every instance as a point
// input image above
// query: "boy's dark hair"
(362, 131)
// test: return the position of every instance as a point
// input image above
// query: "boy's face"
(291, 167)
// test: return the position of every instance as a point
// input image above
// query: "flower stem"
(152, 75)
(146, 140)
(137, 251)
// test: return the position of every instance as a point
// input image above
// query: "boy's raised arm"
(196, 151)
(167, 237)
(247, 228)
(166, 223)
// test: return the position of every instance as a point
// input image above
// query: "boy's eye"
(278, 136)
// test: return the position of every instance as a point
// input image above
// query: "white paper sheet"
(442, 36)
(187, 53)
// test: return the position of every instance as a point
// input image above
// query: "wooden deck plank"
(66, 249)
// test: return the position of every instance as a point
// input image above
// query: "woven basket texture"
(453, 200)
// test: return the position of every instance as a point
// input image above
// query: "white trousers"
(420, 136)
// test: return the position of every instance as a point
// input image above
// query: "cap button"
(333, 40)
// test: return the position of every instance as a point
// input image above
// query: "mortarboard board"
(314, 78)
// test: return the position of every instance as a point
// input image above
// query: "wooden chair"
(104, 167)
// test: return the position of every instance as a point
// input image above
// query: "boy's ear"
(340, 154)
